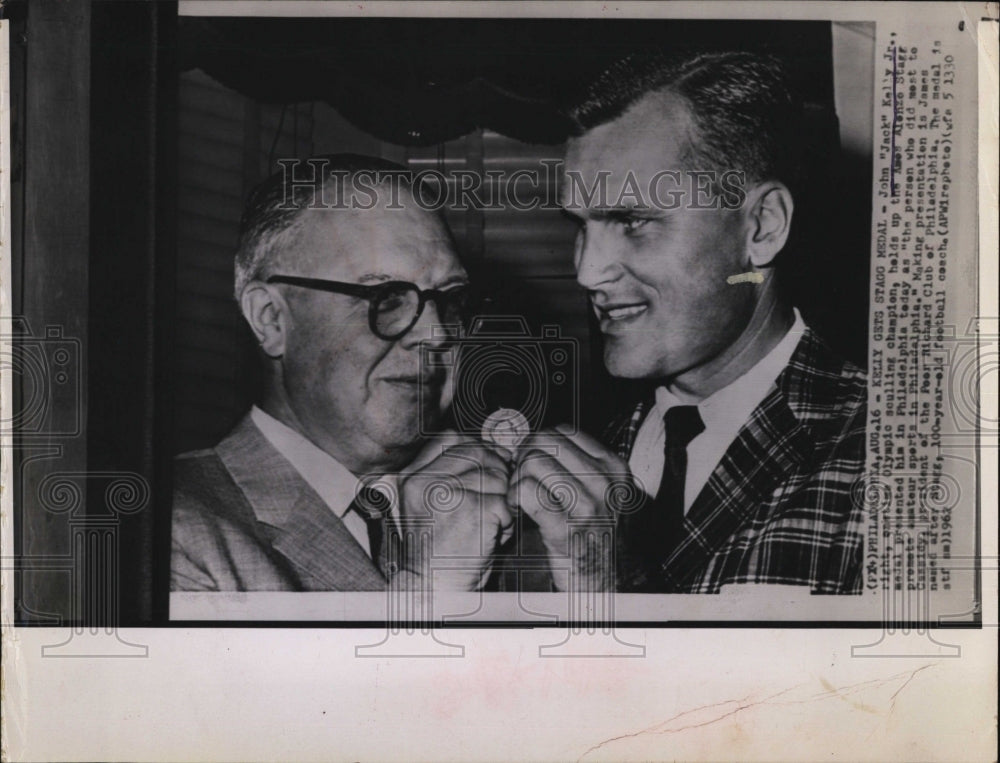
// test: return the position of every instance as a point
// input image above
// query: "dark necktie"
(373, 507)
(683, 423)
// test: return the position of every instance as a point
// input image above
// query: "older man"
(341, 282)
(681, 175)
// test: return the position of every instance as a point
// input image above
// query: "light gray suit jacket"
(245, 520)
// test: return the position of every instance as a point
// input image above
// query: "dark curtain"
(133, 250)
(93, 251)
(421, 82)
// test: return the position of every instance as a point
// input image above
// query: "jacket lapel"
(293, 519)
(325, 553)
(767, 448)
(775, 441)
(620, 434)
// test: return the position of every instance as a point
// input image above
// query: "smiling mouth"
(620, 311)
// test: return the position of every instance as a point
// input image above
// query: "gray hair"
(269, 225)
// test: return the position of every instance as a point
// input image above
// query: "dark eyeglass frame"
(374, 293)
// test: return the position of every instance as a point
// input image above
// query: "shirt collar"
(327, 476)
(733, 403)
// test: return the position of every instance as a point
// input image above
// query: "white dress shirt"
(724, 412)
(333, 482)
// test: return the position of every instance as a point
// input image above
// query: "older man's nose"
(429, 328)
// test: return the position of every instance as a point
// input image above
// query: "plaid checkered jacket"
(779, 507)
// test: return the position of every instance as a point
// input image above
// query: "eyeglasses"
(394, 307)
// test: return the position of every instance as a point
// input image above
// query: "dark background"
(136, 138)
(447, 94)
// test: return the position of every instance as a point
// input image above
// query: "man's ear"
(770, 208)
(266, 312)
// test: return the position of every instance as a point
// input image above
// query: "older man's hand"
(457, 488)
(573, 488)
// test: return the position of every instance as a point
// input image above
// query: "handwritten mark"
(708, 715)
(750, 277)
(892, 699)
